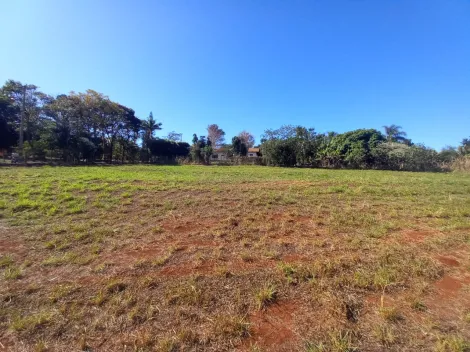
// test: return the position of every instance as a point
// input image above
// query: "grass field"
(151, 258)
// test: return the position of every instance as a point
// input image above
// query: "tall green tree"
(149, 127)
(8, 134)
(238, 146)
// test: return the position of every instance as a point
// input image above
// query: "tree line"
(79, 127)
(89, 127)
(360, 149)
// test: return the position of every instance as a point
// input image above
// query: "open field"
(149, 258)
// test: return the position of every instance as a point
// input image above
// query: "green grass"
(266, 296)
(211, 258)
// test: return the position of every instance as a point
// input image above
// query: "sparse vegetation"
(195, 258)
(265, 296)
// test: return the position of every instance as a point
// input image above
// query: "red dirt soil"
(449, 284)
(273, 329)
(448, 261)
(9, 246)
(417, 236)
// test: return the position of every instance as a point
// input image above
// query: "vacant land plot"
(144, 258)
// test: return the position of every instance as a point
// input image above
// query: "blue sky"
(252, 64)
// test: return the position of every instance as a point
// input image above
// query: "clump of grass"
(222, 270)
(287, 268)
(41, 346)
(59, 244)
(115, 286)
(188, 293)
(157, 229)
(454, 343)
(246, 256)
(384, 276)
(419, 305)
(96, 249)
(32, 288)
(339, 341)
(342, 341)
(56, 260)
(385, 335)
(60, 292)
(6, 260)
(271, 254)
(76, 209)
(230, 326)
(167, 345)
(315, 347)
(68, 258)
(12, 273)
(100, 298)
(25, 204)
(141, 263)
(139, 314)
(83, 237)
(148, 282)
(161, 260)
(168, 206)
(295, 274)
(30, 322)
(265, 296)
(390, 313)
(52, 210)
(466, 317)
(186, 337)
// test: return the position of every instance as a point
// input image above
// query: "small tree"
(173, 136)
(215, 134)
(464, 148)
(247, 139)
(238, 146)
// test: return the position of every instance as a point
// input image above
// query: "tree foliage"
(89, 126)
(464, 148)
(394, 133)
(8, 113)
(216, 135)
(363, 148)
(73, 127)
(247, 138)
(238, 147)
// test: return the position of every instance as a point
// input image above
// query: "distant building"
(219, 154)
(253, 153)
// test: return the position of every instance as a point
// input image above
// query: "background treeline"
(89, 127)
(363, 149)
(80, 127)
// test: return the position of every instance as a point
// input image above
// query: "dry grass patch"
(282, 256)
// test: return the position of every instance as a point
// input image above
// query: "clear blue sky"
(253, 64)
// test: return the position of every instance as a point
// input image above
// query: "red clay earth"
(449, 284)
(417, 236)
(448, 261)
(272, 329)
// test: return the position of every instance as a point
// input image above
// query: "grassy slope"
(223, 258)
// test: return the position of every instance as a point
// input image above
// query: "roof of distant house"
(253, 150)
(219, 150)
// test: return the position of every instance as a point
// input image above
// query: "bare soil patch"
(273, 329)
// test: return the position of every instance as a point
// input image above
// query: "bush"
(399, 156)
(461, 164)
